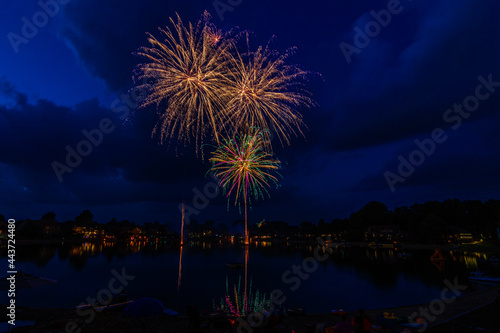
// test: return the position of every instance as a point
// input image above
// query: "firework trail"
(245, 168)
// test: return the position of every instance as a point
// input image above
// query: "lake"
(349, 278)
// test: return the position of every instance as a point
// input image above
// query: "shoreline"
(410, 246)
(461, 306)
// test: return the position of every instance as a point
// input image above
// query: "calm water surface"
(349, 279)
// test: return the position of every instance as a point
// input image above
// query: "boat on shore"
(113, 306)
(296, 312)
(482, 277)
(492, 261)
(339, 312)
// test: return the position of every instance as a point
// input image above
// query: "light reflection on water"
(352, 277)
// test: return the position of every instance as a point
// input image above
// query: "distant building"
(3, 227)
(466, 237)
(50, 228)
(454, 233)
(387, 232)
(88, 232)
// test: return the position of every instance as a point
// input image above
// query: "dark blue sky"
(379, 92)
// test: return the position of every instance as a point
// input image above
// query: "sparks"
(245, 168)
(183, 73)
(266, 93)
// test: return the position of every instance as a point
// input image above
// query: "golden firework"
(204, 88)
(214, 35)
(184, 73)
(265, 92)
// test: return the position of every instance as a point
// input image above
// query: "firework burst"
(184, 72)
(245, 168)
(265, 92)
(214, 35)
(204, 88)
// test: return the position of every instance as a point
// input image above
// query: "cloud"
(128, 163)
(104, 34)
(428, 58)
(397, 89)
(466, 162)
(127, 168)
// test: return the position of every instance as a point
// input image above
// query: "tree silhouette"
(85, 218)
(49, 216)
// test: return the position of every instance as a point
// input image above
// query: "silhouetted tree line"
(429, 222)
(47, 227)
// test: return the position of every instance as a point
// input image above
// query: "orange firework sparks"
(186, 70)
(214, 36)
(204, 88)
(265, 93)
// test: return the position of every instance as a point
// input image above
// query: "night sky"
(402, 79)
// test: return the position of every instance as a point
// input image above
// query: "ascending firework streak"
(180, 270)
(182, 225)
(184, 73)
(244, 168)
(265, 92)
